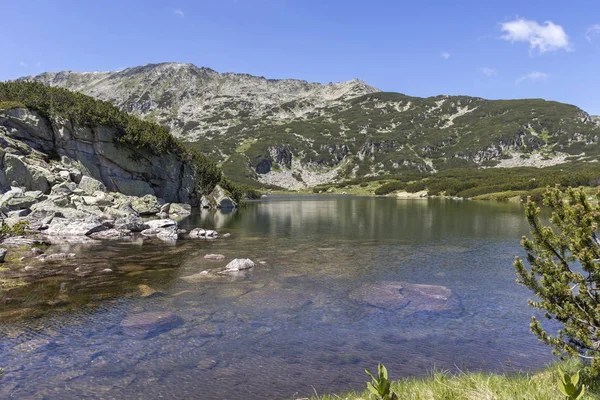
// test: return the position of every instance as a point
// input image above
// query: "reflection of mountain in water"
(381, 218)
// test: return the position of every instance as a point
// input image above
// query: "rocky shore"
(64, 182)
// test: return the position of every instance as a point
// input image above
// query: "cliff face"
(35, 152)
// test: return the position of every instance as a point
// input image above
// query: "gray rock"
(131, 223)
(75, 175)
(2, 254)
(214, 257)
(239, 264)
(197, 233)
(219, 198)
(160, 223)
(90, 185)
(32, 177)
(64, 188)
(211, 234)
(179, 209)
(19, 213)
(205, 203)
(110, 234)
(67, 227)
(147, 205)
(168, 233)
(64, 175)
(57, 256)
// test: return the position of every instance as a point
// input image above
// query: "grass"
(444, 385)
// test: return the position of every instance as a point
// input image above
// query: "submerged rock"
(214, 257)
(147, 291)
(407, 298)
(142, 324)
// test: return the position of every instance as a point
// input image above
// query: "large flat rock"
(406, 298)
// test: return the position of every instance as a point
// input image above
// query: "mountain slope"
(295, 134)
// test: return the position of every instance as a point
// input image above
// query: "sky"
(493, 49)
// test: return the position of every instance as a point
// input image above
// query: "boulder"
(147, 205)
(90, 185)
(2, 254)
(32, 177)
(205, 203)
(67, 227)
(160, 223)
(131, 223)
(239, 264)
(179, 209)
(407, 298)
(219, 198)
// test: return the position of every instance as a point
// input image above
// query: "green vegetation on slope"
(390, 133)
(54, 102)
(467, 182)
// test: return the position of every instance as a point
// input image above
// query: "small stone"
(239, 264)
(207, 364)
(147, 291)
(2, 254)
(64, 175)
(29, 269)
(36, 251)
(227, 235)
(214, 257)
(107, 270)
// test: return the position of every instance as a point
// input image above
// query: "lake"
(308, 319)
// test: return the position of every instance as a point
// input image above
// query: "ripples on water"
(287, 328)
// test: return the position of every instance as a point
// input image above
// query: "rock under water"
(406, 298)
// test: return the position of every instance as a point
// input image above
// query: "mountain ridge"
(296, 134)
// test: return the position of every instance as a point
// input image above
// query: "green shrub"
(564, 273)
(390, 187)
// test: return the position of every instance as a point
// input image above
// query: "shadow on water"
(335, 293)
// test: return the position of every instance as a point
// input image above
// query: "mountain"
(295, 134)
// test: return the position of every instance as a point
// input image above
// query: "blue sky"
(493, 49)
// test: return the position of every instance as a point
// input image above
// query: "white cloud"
(445, 55)
(544, 38)
(533, 77)
(591, 31)
(179, 12)
(488, 71)
(23, 64)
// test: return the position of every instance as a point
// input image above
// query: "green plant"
(380, 386)
(569, 385)
(565, 272)
(20, 228)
